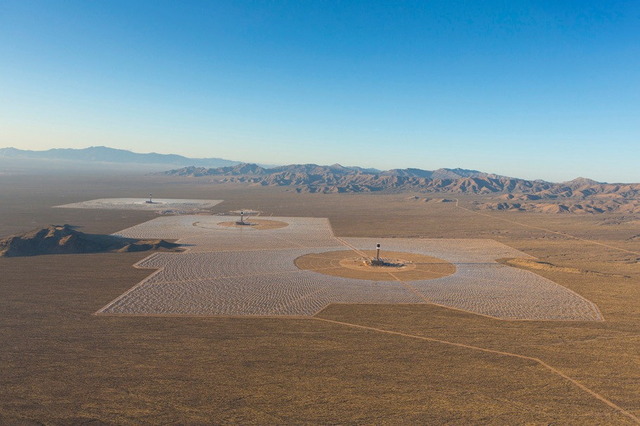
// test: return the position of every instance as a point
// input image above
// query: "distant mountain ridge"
(580, 195)
(317, 170)
(336, 178)
(112, 155)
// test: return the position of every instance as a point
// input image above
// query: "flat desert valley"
(491, 317)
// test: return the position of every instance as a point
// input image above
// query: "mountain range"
(336, 178)
(580, 195)
(111, 155)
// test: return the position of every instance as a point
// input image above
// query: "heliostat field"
(154, 204)
(247, 270)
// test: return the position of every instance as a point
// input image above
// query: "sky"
(532, 89)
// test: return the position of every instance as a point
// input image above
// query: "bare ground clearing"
(349, 264)
(258, 224)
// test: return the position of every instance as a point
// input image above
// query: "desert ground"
(347, 363)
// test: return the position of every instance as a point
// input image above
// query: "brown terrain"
(348, 364)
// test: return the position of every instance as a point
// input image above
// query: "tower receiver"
(377, 261)
(241, 221)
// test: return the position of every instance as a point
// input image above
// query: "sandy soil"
(258, 224)
(63, 365)
(350, 264)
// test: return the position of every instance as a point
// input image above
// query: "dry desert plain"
(350, 363)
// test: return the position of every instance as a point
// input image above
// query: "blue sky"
(540, 89)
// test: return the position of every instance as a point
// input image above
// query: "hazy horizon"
(537, 90)
(154, 167)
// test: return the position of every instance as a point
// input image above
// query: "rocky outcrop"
(64, 239)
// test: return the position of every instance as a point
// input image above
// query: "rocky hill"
(566, 206)
(63, 239)
(579, 196)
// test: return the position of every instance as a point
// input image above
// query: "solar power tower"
(377, 261)
(241, 221)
